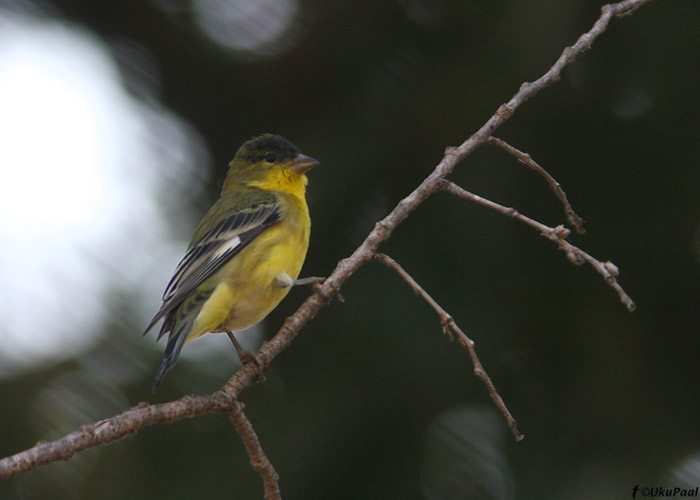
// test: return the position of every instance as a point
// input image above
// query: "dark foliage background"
(372, 401)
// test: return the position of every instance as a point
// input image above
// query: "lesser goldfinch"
(246, 253)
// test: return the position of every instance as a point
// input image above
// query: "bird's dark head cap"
(258, 148)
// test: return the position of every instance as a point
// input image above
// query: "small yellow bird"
(246, 253)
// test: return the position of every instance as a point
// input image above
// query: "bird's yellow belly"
(249, 285)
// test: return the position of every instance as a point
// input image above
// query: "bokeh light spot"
(264, 27)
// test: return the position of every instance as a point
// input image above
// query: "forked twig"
(558, 235)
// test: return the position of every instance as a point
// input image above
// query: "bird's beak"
(302, 163)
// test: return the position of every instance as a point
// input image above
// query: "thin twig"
(607, 270)
(448, 323)
(527, 160)
(145, 415)
(258, 459)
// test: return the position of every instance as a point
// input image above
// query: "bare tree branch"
(108, 430)
(448, 323)
(258, 459)
(225, 400)
(558, 234)
(527, 160)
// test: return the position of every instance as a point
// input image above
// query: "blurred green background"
(117, 121)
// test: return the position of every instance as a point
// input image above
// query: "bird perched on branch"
(246, 253)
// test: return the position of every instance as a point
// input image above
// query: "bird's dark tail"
(180, 326)
(176, 340)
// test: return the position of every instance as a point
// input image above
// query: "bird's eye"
(270, 157)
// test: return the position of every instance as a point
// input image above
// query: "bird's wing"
(216, 247)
